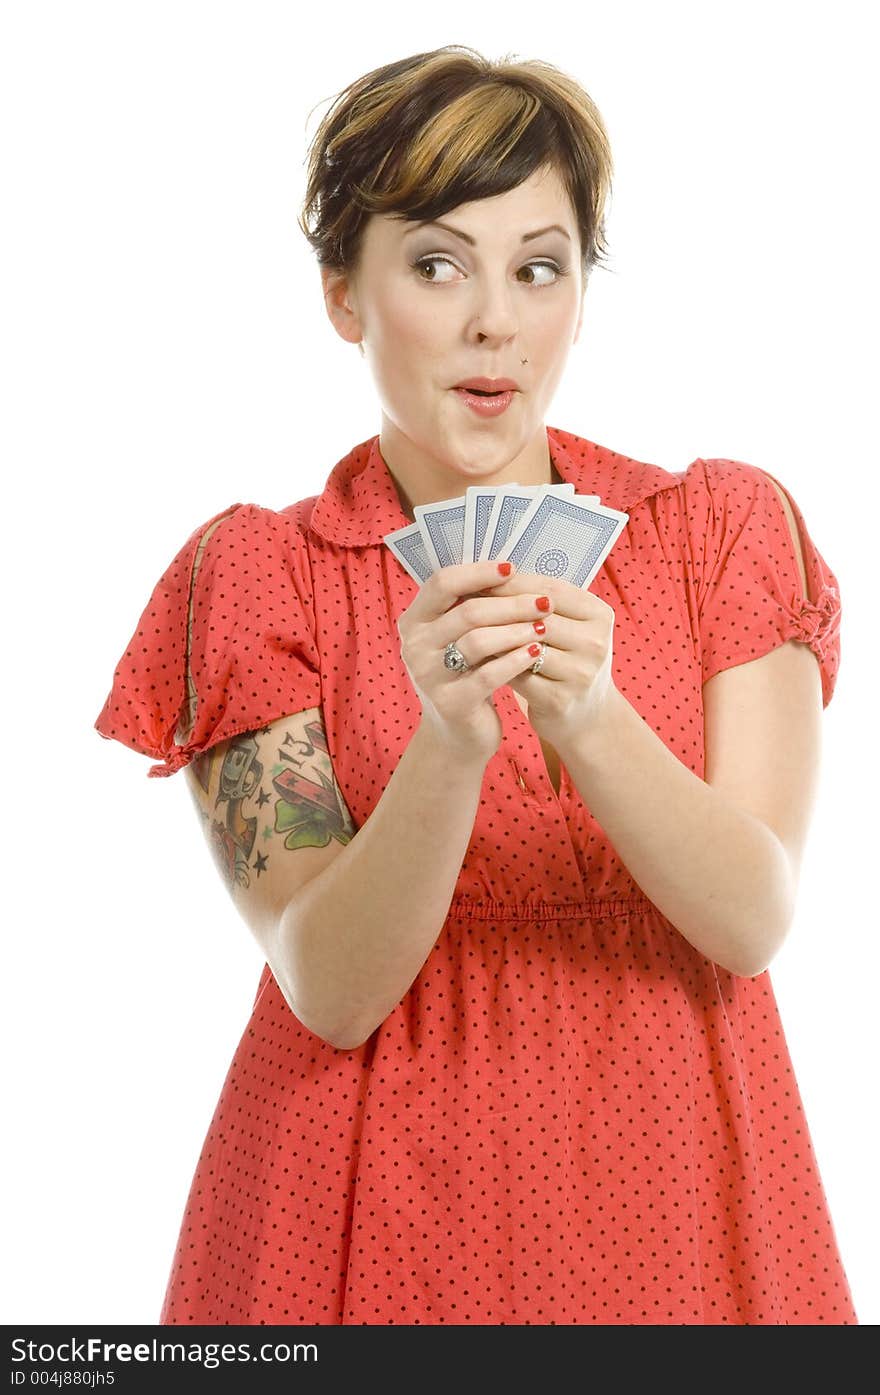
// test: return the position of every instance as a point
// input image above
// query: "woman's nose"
(493, 311)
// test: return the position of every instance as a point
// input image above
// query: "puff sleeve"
(750, 595)
(246, 623)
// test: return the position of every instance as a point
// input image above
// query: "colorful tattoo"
(202, 769)
(309, 809)
(308, 812)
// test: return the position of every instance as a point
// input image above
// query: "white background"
(166, 353)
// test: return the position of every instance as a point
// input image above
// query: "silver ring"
(536, 666)
(454, 659)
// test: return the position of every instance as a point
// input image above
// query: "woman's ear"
(341, 304)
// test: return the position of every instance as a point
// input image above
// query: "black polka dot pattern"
(572, 1116)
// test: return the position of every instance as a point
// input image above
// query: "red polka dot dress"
(572, 1116)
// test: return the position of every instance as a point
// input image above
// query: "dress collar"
(360, 503)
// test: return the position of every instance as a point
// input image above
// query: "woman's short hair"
(420, 136)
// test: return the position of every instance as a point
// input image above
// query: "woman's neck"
(408, 505)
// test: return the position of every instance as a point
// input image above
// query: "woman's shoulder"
(625, 482)
(242, 540)
(721, 477)
(241, 523)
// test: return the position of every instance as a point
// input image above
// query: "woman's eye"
(544, 266)
(423, 262)
(434, 261)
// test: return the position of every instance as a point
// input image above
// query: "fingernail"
(505, 568)
(534, 650)
(539, 627)
(543, 602)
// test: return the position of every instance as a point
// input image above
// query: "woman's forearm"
(353, 939)
(718, 873)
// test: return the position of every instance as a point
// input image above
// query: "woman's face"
(433, 305)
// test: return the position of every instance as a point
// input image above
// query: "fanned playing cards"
(547, 529)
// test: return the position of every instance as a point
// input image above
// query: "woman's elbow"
(749, 963)
(755, 944)
(770, 928)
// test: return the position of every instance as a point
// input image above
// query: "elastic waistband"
(593, 908)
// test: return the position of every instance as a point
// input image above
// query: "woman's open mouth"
(485, 404)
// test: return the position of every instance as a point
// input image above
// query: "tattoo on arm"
(308, 811)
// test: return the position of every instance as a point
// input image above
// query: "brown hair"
(420, 136)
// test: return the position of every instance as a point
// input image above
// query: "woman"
(514, 1055)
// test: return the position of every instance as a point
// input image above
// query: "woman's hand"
(574, 687)
(495, 634)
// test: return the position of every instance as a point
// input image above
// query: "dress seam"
(487, 908)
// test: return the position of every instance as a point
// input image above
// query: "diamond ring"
(454, 659)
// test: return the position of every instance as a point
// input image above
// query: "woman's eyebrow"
(466, 237)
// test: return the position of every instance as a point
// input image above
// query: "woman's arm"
(720, 857)
(346, 917)
(350, 942)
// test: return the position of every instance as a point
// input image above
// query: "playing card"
(480, 502)
(563, 537)
(408, 546)
(512, 503)
(442, 527)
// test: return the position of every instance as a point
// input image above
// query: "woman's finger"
(566, 599)
(448, 585)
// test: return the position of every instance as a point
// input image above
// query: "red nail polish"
(543, 602)
(534, 650)
(539, 627)
(504, 568)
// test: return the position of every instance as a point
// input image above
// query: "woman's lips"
(490, 405)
